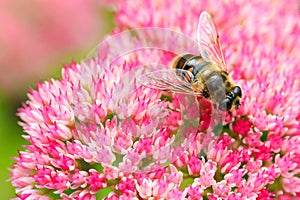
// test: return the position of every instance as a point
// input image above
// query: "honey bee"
(202, 75)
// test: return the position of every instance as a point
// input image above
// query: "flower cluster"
(99, 132)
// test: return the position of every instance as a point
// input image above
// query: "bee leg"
(215, 106)
(217, 111)
(229, 113)
(205, 94)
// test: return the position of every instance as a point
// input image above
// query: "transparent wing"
(208, 41)
(176, 80)
(137, 40)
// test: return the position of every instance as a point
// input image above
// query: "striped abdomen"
(213, 80)
(189, 62)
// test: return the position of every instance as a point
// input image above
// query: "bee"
(202, 75)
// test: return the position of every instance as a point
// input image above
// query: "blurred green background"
(36, 40)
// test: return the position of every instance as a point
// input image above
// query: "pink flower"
(126, 186)
(241, 127)
(99, 128)
(265, 194)
(221, 189)
(195, 192)
(194, 166)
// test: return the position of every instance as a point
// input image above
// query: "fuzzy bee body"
(201, 75)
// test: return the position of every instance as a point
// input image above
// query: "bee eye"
(225, 105)
(238, 91)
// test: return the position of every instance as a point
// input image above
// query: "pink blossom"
(265, 194)
(194, 165)
(241, 127)
(195, 192)
(100, 128)
(235, 177)
(126, 186)
(221, 189)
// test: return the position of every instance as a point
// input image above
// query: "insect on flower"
(202, 75)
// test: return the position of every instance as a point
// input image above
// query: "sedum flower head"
(99, 132)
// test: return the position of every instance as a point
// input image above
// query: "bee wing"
(208, 41)
(176, 80)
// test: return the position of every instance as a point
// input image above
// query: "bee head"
(225, 104)
(237, 91)
(238, 94)
(232, 98)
